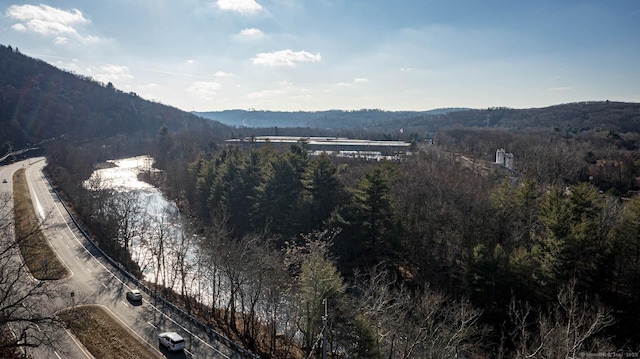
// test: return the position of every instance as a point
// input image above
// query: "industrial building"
(337, 146)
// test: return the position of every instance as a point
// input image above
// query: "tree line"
(540, 262)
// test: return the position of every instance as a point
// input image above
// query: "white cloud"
(19, 27)
(90, 39)
(239, 6)
(60, 40)
(109, 73)
(284, 58)
(360, 80)
(205, 89)
(50, 28)
(45, 13)
(45, 19)
(72, 66)
(149, 91)
(50, 21)
(222, 74)
(251, 33)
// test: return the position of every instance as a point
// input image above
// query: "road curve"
(95, 281)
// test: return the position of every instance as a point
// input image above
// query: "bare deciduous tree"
(571, 327)
(24, 321)
(417, 325)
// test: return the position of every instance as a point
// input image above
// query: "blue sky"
(306, 55)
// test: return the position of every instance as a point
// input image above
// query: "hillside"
(39, 102)
(574, 117)
(331, 119)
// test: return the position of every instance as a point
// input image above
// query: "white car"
(134, 295)
(171, 340)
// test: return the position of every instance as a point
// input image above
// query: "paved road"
(95, 281)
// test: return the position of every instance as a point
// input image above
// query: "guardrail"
(16, 153)
(206, 328)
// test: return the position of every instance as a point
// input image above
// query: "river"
(167, 255)
(159, 245)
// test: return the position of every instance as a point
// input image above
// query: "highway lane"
(95, 281)
(65, 345)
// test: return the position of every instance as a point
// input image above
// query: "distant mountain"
(40, 102)
(572, 117)
(331, 119)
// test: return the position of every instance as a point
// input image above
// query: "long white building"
(336, 145)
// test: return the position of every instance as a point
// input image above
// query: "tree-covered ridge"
(567, 118)
(620, 117)
(39, 102)
(329, 119)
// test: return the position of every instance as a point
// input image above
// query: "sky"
(313, 55)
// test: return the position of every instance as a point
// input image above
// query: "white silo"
(500, 156)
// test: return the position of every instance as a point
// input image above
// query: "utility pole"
(324, 330)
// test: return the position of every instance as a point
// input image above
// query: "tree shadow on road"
(170, 354)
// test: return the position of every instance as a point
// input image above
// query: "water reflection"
(153, 230)
(122, 175)
(169, 255)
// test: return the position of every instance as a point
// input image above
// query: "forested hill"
(331, 119)
(574, 117)
(40, 102)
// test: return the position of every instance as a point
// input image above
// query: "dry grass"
(103, 335)
(36, 252)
